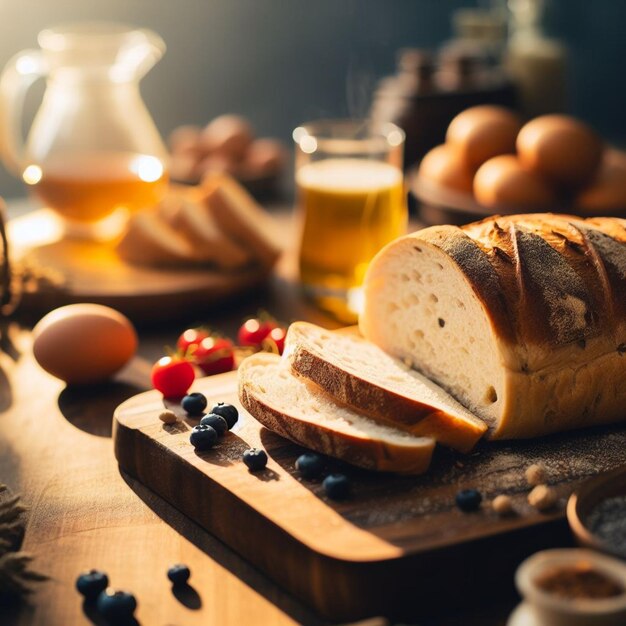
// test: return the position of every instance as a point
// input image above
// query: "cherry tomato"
(172, 376)
(275, 340)
(189, 338)
(253, 331)
(214, 355)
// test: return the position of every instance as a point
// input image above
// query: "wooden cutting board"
(398, 546)
(69, 270)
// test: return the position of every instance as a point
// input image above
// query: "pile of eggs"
(553, 162)
(226, 145)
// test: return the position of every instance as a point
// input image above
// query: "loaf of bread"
(357, 373)
(521, 318)
(303, 413)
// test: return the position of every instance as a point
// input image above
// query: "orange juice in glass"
(351, 202)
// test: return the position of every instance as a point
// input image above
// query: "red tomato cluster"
(212, 354)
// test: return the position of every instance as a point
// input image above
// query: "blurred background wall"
(280, 62)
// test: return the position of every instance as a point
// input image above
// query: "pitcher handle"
(19, 74)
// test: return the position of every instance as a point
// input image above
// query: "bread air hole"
(405, 278)
(413, 299)
(417, 249)
(491, 396)
(418, 334)
(441, 322)
(433, 298)
(417, 277)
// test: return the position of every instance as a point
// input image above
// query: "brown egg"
(83, 343)
(230, 135)
(502, 184)
(445, 166)
(606, 194)
(561, 148)
(482, 132)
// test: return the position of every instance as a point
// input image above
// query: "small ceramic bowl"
(547, 609)
(585, 499)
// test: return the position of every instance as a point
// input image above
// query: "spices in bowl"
(607, 521)
(596, 513)
(579, 580)
(572, 587)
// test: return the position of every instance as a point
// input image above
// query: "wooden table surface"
(56, 450)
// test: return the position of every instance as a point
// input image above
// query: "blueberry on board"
(116, 606)
(468, 499)
(336, 486)
(217, 422)
(255, 459)
(310, 465)
(90, 584)
(194, 403)
(203, 437)
(227, 411)
(178, 574)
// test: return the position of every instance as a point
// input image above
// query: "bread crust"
(376, 400)
(553, 291)
(369, 453)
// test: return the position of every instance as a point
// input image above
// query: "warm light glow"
(395, 138)
(298, 133)
(308, 144)
(148, 168)
(252, 326)
(32, 174)
(26, 65)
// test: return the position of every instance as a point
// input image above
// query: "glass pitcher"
(92, 148)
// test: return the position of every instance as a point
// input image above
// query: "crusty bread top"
(360, 374)
(545, 279)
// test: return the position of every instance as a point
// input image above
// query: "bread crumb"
(542, 497)
(536, 474)
(168, 417)
(502, 504)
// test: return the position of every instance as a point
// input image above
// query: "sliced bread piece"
(358, 373)
(302, 412)
(194, 222)
(150, 240)
(239, 215)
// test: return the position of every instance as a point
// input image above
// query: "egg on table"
(504, 185)
(84, 343)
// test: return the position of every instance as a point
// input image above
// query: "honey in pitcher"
(90, 187)
(350, 209)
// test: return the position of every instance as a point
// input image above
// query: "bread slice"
(150, 240)
(358, 373)
(196, 224)
(241, 217)
(303, 413)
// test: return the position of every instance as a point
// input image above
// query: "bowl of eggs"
(226, 145)
(492, 162)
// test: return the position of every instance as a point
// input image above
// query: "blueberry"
(255, 459)
(217, 422)
(92, 583)
(468, 499)
(337, 486)
(178, 574)
(116, 606)
(203, 437)
(310, 465)
(227, 411)
(194, 403)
